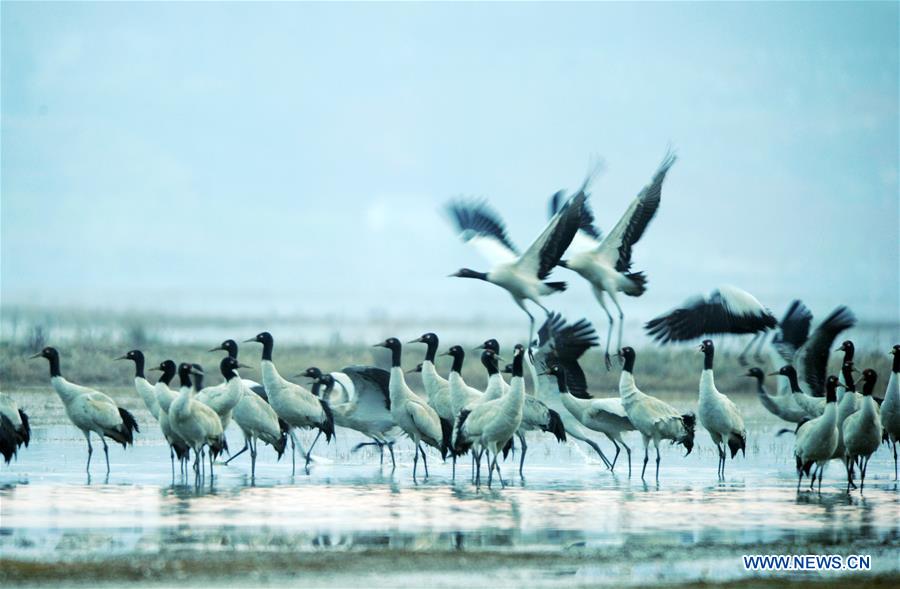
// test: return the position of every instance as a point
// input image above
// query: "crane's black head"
(48, 353)
(491, 344)
(418, 368)
(518, 359)
(628, 356)
(313, 373)
(468, 273)
(895, 350)
(390, 343)
(489, 361)
(507, 369)
(756, 373)
(229, 346)
(847, 346)
(786, 370)
(262, 338)
(327, 381)
(831, 386)
(869, 378)
(134, 355)
(426, 338)
(228, 366)
(706, 346)
(168, 368)
(456, 352)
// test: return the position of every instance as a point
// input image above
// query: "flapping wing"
(369, 382)
(567, 343)
(727, 310)
(793, 331)
(616, 247)
(545, 252)
(481, 227)
(814, 355)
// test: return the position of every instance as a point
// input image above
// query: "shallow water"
(689, 527)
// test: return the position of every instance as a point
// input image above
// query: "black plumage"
(818, 347)
(476, 218)
(648, 204)
(567, 344)
(793, 330)
(587, 222)
(371, 376)
(703, 316)
(558, 242)
(8, 439)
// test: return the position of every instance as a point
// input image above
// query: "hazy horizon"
(294, 158)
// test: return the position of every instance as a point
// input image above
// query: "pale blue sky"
(294, 157)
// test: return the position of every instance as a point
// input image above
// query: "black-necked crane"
(655, 419)
(492, 424)
(726, 310)
(437, 388)
(807, 360)
(558, 340)
(413, 414)
(230, 347)
(360, 398)
(817, 438)
(781, 405)
(890, 407)
(164, 396)
(143, 386)
(523, 276)
(606, 264)
(15, 430)
(718, 414)
(196, 423)
(90, 410)
(292, 402)
(862, 430)
(256, 418)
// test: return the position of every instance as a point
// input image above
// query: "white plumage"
(223, 397)
(411, 413)
(90, 410)
(165, 396)
(655, 419)
(782, 404)
(292, 402)
(717, 413)
(437, 388)
(606, 264)
(862, 430)
(818, 438)
(491, 424)
(890, 408)
(195, 423)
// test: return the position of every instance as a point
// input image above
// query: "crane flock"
(547, 392)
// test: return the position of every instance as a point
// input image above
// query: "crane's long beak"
(123, 357)
(38, 355)
(381, 345)
(217, 348)
(251, 340)
(476, 348)
(774, 374)
(242, 365)
(418, 340)
(156, 369)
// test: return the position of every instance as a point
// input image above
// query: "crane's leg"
(646, 455)
(497, 466)
(490, 468)
(657, 463)
(849, 475)
(612, 297)
(241, 451)
(293, 453)
(895, 459)
(415, 461)
(105, 452)
(628, 453)
(616, 457)
(478, 454)
(253, 445)
(424, 461)
(862, 473)
(742, 357)
(592, 444)
(309, 453)
(172, 458)
(390, 447)
(799, 478)
(524, 444)
(598, 294)
(87, 436)
(821, 476)
(453, 477)
(210, 454)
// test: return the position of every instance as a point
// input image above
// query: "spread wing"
(616, 247)
(481, 227)
(814, 355)
(727, 310)
(793, 331)
(546, 251)
(371, 383)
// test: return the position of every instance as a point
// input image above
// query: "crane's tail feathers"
(556, 286)
(446, 438)
(182, 451)
(555, 426)
(218, 446)
(280, 444)
(327, 427)
(804, 467)
(25, 430)
(124, 434)
(737, 442)
(461, 445)
(507, 448)
(284, 426)
(8, 439)
(636, 284)
(689, 420)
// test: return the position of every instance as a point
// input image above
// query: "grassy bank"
(91, 362)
